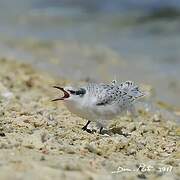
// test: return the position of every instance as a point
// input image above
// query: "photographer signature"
(144, 168)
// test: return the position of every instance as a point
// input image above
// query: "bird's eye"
(79, 92)
(72, 92)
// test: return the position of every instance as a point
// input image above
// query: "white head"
(71, 94)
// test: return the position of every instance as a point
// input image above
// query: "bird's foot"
(84, 128)
(100, 131)
(104, 132)
(88, 130)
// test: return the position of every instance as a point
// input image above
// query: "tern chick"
(100, 102)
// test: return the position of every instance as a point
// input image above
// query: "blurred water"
(99, 40)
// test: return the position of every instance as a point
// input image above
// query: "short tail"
(132, 90)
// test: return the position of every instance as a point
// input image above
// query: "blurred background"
(97, 40)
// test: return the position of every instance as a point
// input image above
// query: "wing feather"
(123, 94)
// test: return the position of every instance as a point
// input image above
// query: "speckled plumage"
(101, 102)
(122, 94)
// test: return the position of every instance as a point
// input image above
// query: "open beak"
(66, 94)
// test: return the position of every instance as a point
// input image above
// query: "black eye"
(81, 92)
(72, 92)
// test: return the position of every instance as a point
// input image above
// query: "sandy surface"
(40, 139)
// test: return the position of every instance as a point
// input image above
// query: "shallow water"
(97, 40)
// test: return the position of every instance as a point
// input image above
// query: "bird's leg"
(101, 124)
(100, 131)
(85, 127)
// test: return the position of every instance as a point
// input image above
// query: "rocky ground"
(40, 139)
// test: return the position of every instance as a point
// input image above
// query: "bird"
(100, 102)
